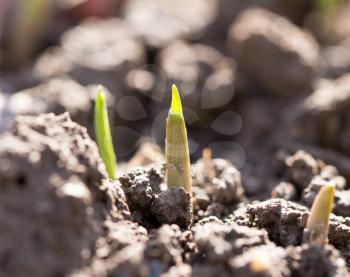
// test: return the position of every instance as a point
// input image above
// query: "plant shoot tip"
(317, 226)
(176, 107)
(100, 92)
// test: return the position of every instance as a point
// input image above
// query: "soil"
(266, 97)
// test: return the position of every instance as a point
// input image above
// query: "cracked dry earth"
(61, 216)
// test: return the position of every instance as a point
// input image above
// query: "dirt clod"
(148, 198)
(323, 117)
(217, 242)
(167, 21)
(56, 96)
(284, 190)
(281, 65)
(217, 182)
(341, 197)
(302, 167)
(52, 165)
(140, 186)
(285, 221)
(173, 206)
(317, 261)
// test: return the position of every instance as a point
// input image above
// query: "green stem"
(103, 134)
(176, 147)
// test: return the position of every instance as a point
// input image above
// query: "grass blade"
(103, 134)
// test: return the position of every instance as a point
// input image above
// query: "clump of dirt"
(254, 92)
(323, 118)
(151, 203)
(98, 57)
(176, 18)
(310, 260)
(232, 249)
(53, 199)
(120, 234)
(265, 260)
(217, 241)
(139, 189)
(285, 221)
(285, 190)
(341, 198)
(306, 176)
(119, 228)
(217, 188)
(260, 41)
(301, 168)
(164, 250)
(173, 206)
(56, 95)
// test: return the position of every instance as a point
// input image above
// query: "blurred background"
(256, 76)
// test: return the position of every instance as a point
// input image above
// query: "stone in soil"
(260, 41)
(53, 202)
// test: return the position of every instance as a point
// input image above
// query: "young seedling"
(316, 231)
(103, 134)
(177, 170)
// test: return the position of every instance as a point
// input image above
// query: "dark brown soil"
(77, 221)
(265, 85)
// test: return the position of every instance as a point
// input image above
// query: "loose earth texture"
(79, 222)
(265, 92)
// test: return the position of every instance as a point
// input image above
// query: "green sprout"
(317, 226)
(103, 134)
(177, 157)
